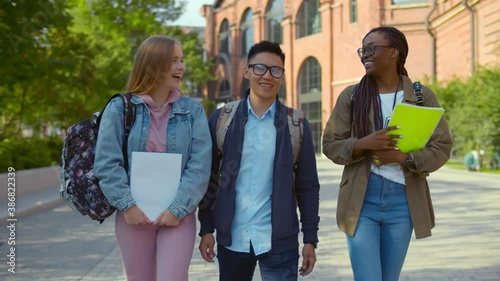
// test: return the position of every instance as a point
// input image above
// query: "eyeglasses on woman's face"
(261, 69)
(370, 50)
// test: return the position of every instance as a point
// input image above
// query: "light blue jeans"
(379, 245)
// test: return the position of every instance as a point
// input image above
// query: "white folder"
(154, 181)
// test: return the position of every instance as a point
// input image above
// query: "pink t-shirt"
(157, 134)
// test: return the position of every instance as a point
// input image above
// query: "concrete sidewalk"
(35, 190)
(465, 244)
(58, 244)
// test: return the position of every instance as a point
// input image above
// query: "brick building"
(447, 38)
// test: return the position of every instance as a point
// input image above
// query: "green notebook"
(417, 125)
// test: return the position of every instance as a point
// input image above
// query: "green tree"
(62, 59)
(28, 31)
(472, 110)
(70, 56)
(116, 29)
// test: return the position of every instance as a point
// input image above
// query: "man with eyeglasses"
(255, 189)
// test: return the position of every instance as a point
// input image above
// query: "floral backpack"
(78, 185)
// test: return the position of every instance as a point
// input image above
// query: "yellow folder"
(417, 125)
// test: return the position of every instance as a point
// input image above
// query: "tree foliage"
(28, 31)
(62, 59)
(472, 110)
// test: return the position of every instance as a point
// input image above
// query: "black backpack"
(78, 185)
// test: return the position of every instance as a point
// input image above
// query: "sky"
(191, 15)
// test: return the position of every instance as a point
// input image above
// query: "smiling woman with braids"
(384, 194)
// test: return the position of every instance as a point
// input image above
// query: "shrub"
(28, 153)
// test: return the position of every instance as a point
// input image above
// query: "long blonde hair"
(151, 63)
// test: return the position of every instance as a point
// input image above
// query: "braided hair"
(366, 95)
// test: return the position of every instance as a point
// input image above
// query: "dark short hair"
(266, 47)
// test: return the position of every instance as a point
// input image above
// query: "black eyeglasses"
(370, 50)
(261, 69)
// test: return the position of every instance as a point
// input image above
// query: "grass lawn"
(460, 166)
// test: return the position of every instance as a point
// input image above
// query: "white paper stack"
(154, 181)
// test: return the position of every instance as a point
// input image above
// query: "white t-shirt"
(391, 172)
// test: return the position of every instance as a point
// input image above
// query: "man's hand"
(207, 247)
(166, 218)
(135, 216)
(308, 259)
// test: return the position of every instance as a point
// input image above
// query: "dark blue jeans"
(241, 266)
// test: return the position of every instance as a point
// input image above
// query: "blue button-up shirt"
(252, 217)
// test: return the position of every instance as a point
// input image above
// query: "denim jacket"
(187, 134)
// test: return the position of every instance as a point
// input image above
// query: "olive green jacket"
(338, 145)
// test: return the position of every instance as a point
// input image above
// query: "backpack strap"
(417, 89)
(128, 122)
(296, 128)
(225, 117)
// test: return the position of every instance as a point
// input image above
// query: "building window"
(310, 77)
(224, 38)
(274, 16)
(308, 18)
(282, 92)
(245, 84)
(354, 11)
(310, 97)
(224, 90)
(246, 32)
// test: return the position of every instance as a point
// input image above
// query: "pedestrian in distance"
(165, 122)
(495, 159)
(383, 194)
(255, 188)
(473, 160)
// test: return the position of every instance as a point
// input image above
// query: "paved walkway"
(58, 244)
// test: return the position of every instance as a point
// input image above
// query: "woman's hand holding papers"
(383, 157)
(382, 145)
(135, 216)
(377, 141)
(166, 218)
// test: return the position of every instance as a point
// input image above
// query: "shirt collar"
(271, 111)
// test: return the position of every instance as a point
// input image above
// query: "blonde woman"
(165, 121)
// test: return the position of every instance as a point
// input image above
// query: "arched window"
(310, 77)
(310, 97)
(246, 32)
(354, 11)
(244, 87)
(282, 92)
(224, 38)
(224, 90)
(274, 15)
(308, 19)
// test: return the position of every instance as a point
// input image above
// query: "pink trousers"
(153, 253)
